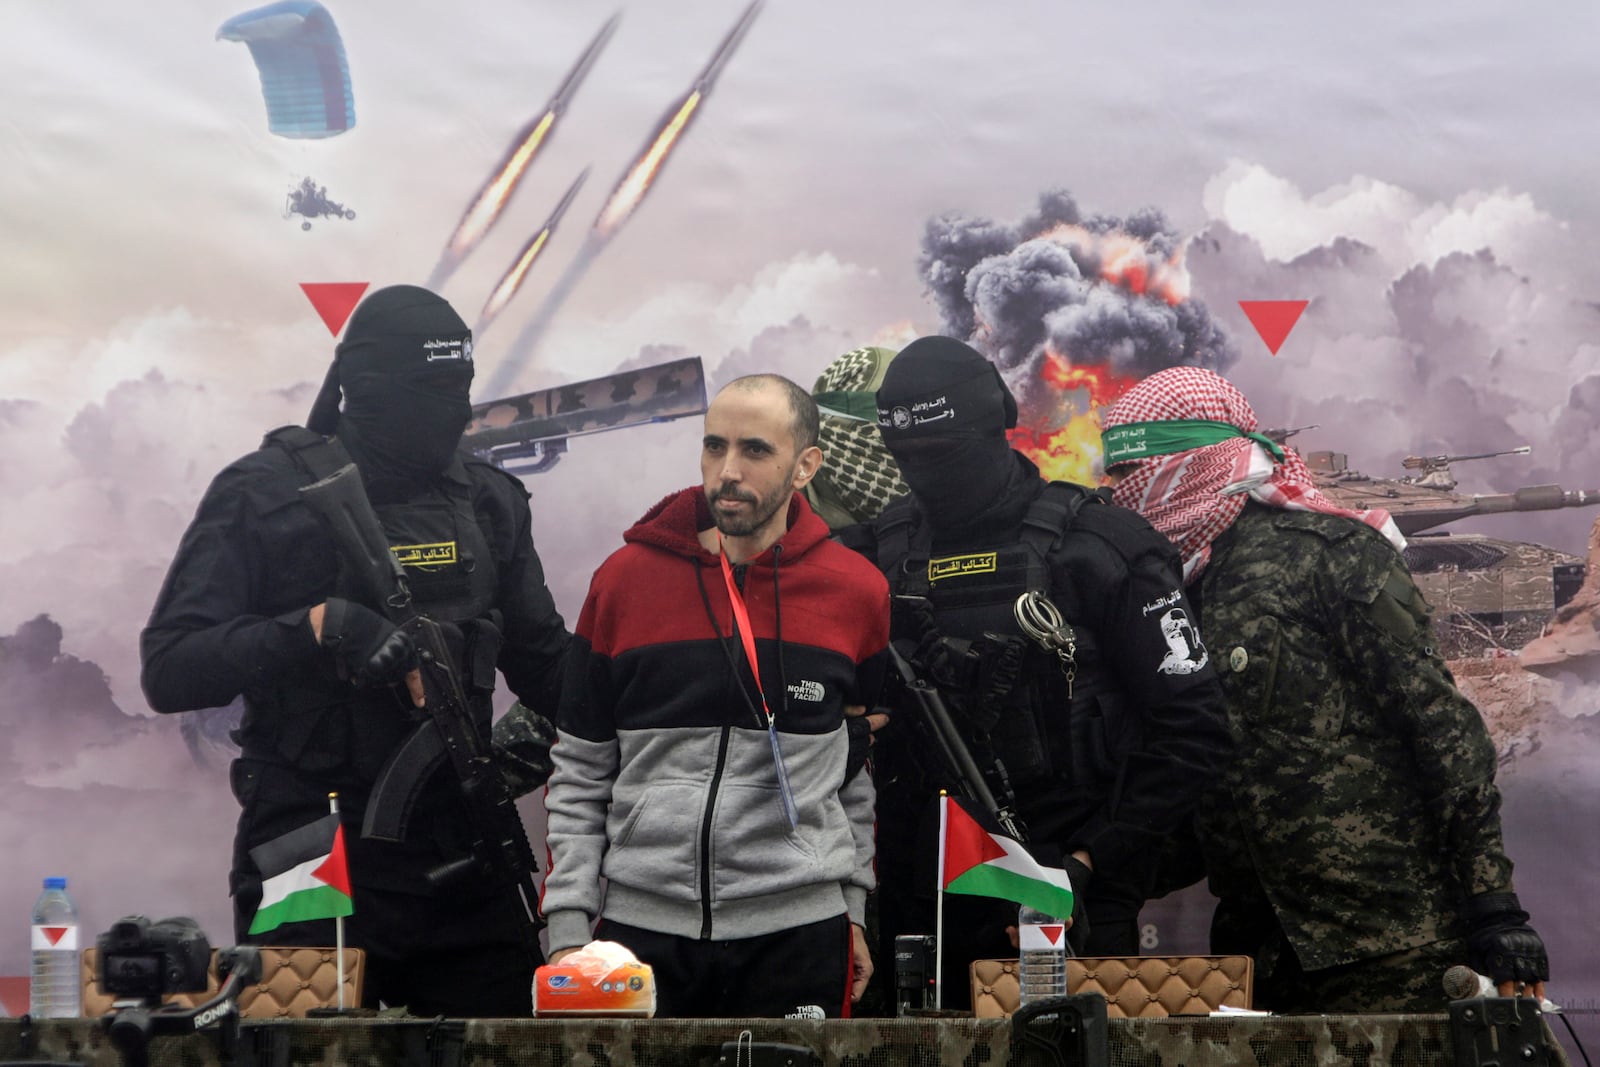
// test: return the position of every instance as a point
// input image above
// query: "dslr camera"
(914, 972)
(145, 960)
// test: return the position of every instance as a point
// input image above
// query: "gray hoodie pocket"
(655, 845)
(753, 850)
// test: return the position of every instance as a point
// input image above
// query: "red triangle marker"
(54, 934)
(334, 301)
(335, 870)
(1053, 932)
(1273, 319)
(966, 843)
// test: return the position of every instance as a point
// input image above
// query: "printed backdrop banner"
(195, 194)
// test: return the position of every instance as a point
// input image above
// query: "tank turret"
(1488, 594)
(1418, 504)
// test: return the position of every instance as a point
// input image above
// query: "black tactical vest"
(452, 573)
(1014, 701)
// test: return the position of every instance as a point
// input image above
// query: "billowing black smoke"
(1096, 290)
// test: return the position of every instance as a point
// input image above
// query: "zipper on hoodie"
(705, 837)
(739, 572)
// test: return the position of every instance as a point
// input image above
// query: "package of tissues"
(602, 978)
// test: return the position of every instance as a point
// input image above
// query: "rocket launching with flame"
(512, 279)
(496, 193)
(625, 199)
(630, 191)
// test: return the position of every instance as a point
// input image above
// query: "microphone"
(1463, 983)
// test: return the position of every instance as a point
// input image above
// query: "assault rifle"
(940, 729)
(500, 849)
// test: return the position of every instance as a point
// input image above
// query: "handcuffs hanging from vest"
(1041, 620)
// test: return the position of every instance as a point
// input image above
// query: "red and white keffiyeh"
(1194, 495)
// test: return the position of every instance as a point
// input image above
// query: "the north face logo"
(806, 690)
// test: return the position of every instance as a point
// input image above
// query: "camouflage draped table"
(1293, 1041)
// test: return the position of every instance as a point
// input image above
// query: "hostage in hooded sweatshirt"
(255, 603)
(701, 761)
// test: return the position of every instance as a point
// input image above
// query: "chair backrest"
(1133, 986)
(293, 981)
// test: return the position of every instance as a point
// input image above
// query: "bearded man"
(701, 757)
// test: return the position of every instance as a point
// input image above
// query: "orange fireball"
(1070, 451)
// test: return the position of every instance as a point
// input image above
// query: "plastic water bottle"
(56, 989)
(1042, 940)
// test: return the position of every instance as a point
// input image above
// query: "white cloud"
(1459, 333)
(590, 339)
(1404, 228)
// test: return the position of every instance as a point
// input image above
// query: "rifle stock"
(500, 847)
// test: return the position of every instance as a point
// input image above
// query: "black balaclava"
(944, 411)
(405, 369)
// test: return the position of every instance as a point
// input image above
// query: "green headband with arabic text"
(1141, 440)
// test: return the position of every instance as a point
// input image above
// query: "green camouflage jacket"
(1361, 801)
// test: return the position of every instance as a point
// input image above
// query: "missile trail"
(496, 192)
(512, 279)
(625, 197)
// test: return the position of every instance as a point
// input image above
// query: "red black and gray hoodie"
(665, 781)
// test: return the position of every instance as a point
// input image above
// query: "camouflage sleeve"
(522, 742)
(1384, 627)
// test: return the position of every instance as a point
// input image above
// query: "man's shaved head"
(806, 420)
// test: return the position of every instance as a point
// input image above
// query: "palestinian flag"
(977, 859)
(303, 876)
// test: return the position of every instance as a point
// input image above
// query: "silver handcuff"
(1041, 620)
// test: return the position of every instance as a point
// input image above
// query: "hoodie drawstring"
(777, 626)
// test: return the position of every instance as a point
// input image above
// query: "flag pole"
(938, 896)
(338, 921)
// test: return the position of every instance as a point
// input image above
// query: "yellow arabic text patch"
(956, 566)
(426, 557)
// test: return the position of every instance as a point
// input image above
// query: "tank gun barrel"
(1536, 498)
(1281, 434)
(1433, 463)
(1528, 498)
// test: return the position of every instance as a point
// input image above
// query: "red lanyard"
(741, 618)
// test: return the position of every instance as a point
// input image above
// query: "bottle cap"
(55, 883)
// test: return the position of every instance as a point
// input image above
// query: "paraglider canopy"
(300, 57)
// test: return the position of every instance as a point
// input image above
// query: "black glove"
(859, 732)
(366, 646)
(1500, 943)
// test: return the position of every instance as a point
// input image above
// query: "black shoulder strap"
(314, 454)
(904, 542)
(1051, 514)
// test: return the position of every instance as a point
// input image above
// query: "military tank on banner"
(1490, 595)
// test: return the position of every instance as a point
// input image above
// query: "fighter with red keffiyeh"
(1354, 842)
